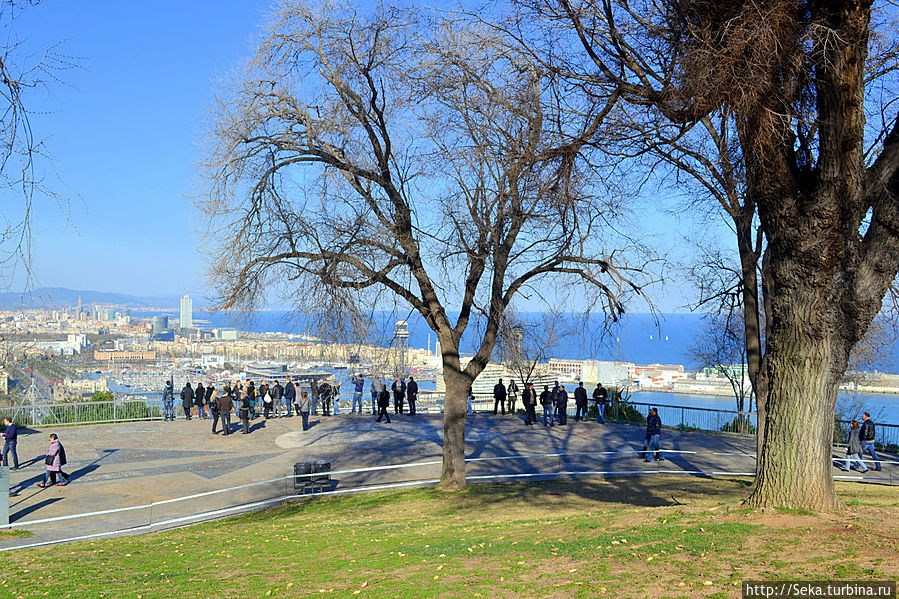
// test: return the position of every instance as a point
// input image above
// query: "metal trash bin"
(302, 473)
(321, 474)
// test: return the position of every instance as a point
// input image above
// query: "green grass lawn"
(659, 537)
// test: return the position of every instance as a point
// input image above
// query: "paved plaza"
(135, 464)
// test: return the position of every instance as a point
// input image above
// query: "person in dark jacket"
(187, 399)
(653, 435)
(277, 393)
(10, 439)
(200, 401)
(546, 400)
(168, 402)
(225, 405)
(555, 394)
(290, 397)
(499, 397)
(324, 392)
(251, 397)
(411, 395)
(243, 411)
(399, 395)
(562, 405)
(854, 449)
(580, 402)
(529, 399)
(601, 397)
(213, 404)
(866, 437)
(383, 404)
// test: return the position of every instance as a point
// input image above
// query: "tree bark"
(455, 407)
(805, 359)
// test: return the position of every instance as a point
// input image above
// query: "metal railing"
(88, 412)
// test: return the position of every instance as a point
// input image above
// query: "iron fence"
(88, 412)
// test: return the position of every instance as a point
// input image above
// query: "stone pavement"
(134, 464)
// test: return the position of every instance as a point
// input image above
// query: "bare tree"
(21, 150)
(387, 152)
(721, 347)
(523, 343)
(783, 112)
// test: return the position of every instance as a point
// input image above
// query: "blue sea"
(638, 338)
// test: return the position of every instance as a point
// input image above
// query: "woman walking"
(55, 460)
(854, 449)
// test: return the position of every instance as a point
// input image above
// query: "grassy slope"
(662, 537)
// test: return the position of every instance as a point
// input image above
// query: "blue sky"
(124, 128)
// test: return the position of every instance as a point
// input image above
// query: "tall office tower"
(187, 312)
(78, 313)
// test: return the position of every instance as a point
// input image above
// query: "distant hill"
(59, 297)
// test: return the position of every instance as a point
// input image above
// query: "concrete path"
(135, 464)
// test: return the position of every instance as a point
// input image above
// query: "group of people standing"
(276, 402)
(404, 394)
(554, 402)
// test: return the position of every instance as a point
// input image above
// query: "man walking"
(653, 435)
(358, 387)
(168, 402)
(187, 399)
(866, 436)
(412, 395)
(562, 406)
(499, 397)
(601, 397)
(10, 438)
(580, 402)
(383, 404)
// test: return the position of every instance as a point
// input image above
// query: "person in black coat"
(562, 405)
(383, 404)
(412, 395)
(580, 402)
(187, 399)
(243, 412)
(499, 397)
(200, 400)
(529, 399)
(399, 395)
(290, 397)
(653, 435)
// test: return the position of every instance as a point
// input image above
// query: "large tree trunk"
(455, 406)
(806, 358)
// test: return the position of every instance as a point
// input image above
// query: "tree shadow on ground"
(33, 508)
